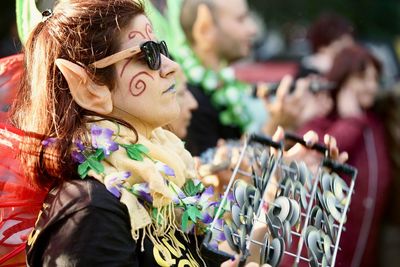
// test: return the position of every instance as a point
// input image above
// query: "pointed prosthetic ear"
(84, 90)
(203, 27)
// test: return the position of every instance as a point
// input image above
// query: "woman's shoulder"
(78, 194)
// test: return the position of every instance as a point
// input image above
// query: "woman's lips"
(170, 89)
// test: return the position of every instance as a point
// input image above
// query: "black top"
(205, 127)
(82, 224)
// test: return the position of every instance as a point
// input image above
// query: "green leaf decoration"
(91, 163)
(194, 213)
(136, 151)
(185, 220)
(95, 164)
(190, 189)
(99, 154)
(83, 169)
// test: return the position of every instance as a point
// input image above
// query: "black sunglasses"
(151, 53)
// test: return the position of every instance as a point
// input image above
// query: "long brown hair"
(81, 31)
(350, 61)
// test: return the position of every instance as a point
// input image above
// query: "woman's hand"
(310, 157)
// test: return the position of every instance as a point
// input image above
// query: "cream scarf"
(164, 147)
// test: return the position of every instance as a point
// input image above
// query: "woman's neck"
(141, 127)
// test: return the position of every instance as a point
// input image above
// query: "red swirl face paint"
(137, 85)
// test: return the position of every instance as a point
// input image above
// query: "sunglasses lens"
(152, 54)
(164, 49)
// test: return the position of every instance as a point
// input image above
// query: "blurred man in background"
(218, 33)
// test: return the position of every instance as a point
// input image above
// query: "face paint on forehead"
(137, 85)
(147, 34)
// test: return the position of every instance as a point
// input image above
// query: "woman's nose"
(168, 67)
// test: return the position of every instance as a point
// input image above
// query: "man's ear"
(203, 27)
(84, 90)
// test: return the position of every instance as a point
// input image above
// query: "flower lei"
(228, 95)
(193, 198)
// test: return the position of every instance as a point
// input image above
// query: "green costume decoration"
(166, 24)
(28, 16)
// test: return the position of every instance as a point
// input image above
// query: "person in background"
(328, 35)
(218, 33)
(359, 131)
(187, 104)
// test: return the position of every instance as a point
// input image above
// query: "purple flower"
(178, 194)
(142, 191)
(218, 234)
(207, 219)
(205, 196)
(78, 157)
(79, 144)
(102, 138)
(114, 181)
(49, 141)
(189, 200)
(165, 169)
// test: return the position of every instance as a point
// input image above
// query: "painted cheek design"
(137, 85)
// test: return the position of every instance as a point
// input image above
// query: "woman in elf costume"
(97, 87)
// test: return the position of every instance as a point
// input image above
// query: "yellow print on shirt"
(180, 255)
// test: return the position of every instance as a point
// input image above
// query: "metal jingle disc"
(289, 188)
(235, 213)
(276, 253)
(328, 223)
(274, 224)
(242, 241)
(303, 172)
(264, 159)
(309, 229)
(316, 216)
(301, 194)
(281, 208)
(256, 199)
(313, 259)
(331, 206)
(250, 217)
(320, 199)
(249, 195)
(313, 240)
(339, 188)
(324, 261)
(229, 238)
(327, 246)
(254, 177)
(295, 207)
(264, 252)
(318, 219)
(287, 233)
(326, 182)
(239, 191)
(294, 174)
